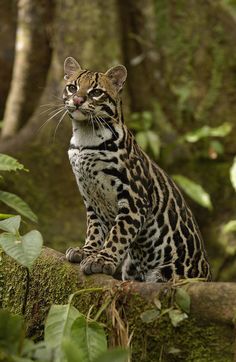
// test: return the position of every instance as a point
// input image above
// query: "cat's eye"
(95, 92)
(72, 88)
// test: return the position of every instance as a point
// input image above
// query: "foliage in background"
(8, 163)
(147, 125)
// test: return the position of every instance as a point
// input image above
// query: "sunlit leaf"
(8, 163)
(6, 216)
(115, 355)
(229, 227)
(176, 317)
(194, 190)
(206, 131)
(90, 338)
(25, 249)
(149, 315)
(154, 142)
(58, 324)
(16, 203)
(11, 224)
(233, 174)
(142, 140)
(182, 299)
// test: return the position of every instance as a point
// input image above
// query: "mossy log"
(206, 335)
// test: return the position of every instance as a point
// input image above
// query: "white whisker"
(51, 111)
(108, 126)
(58, 124)
(54, 115)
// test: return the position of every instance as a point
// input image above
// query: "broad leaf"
(71, 351)
(176, 317)
(25, 249)
(150, 315)
(11, 332)
(233, 174)
(206, 131)
(142, 140)
(154, 143)
(194, 190)
(90, 338)
(182, 298)
(229, 227)
(58, 324)
(11, 224)
(8, 163)
(16, 203)
(115, 355)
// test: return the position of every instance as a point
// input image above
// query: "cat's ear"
(70, 66)
(117, 75)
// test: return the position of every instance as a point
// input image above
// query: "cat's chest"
(96, 187)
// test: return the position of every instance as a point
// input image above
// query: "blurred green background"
(179, 100)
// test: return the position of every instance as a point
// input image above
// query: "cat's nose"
(78, 100)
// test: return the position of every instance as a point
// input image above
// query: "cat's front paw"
(75, 255)
(97, 264)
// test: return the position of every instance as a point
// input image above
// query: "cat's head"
(90, 94)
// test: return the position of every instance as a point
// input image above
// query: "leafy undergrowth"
(69, 335)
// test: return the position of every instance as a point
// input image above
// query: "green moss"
(53, 280)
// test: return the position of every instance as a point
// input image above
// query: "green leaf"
(6, 216)
(16, 203)
(154, 143)
(229, 227)
(146, 120)
(206, 131)
(37, 351)
(58, 324)
(25, 249)
(23, 359)
(233, 174)
(149, 315)
(217, 147)
(90, 338)
(71, 351)
(142, 140)
(176, 316)
(115, 355)
(194, 190)
(11, 224)
(11, 331)
(8, 163)
(182, 298)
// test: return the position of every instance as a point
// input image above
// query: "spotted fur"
(137, 219)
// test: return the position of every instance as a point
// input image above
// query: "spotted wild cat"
(137, 219)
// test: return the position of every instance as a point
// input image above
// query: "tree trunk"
(8, 10)
(206, 335)
(32, 59)
(138, 53)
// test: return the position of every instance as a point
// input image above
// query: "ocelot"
(137, 219)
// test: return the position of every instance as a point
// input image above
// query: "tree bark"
(32, 59)
(207, 334)
(138, 51)
(8, 11)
